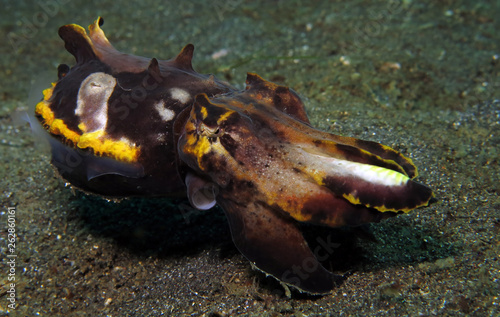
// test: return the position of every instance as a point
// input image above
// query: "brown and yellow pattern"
(123, 125)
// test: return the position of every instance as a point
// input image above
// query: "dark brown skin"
(123, 125)
(140, 84)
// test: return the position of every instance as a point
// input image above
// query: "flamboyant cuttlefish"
(123, 125)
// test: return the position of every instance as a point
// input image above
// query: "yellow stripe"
(224, 116)
(42, 109)
(382, 208)
(47, 93)
(204, 113)
(58, 127)
(121, 150)
(197, 148)
(98, 141)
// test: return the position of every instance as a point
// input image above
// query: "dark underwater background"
(420, 76)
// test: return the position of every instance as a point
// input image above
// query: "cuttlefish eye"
(209, 132)
(208, 118)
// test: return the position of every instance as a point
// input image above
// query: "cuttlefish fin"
(274, 244)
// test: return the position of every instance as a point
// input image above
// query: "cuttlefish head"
(256, 155)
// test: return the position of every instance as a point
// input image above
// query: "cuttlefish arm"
(272, 169)
(272, 242)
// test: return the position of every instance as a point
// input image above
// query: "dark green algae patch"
(419, 76)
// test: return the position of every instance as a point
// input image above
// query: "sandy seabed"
(419, 76)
